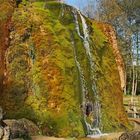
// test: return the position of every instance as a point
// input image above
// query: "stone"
(6, 135)
(4, 129)
(1, 133)
(134, 135)
(1, 114)
(22, 128)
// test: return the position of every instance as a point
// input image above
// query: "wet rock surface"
(40, 79)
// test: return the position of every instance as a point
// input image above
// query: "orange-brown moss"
(109, 83)
(111, 36)
(6, 9)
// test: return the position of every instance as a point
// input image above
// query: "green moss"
(43, 80)
(113, 118)
(39, 4)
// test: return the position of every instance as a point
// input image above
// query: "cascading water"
(84, 89)
(62, 13)
(86, 44)
(77, 24)
(62, 9)
(82, 80)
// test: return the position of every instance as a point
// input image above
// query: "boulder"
(1, 114)
(134, 135)
(4, 129)
(22, 128)
(1, 133)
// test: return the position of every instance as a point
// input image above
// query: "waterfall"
(82, 82)
(86, 44)
(62, 7)
(77, 24)
(84, 91)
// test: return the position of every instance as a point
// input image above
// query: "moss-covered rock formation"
(42, 82)
(6, 9)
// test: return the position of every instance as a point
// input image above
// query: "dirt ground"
(111, 136)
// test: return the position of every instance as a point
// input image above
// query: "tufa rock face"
(40, 79)
(111, 35)
(5, 23)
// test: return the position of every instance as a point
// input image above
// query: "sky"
(78, 3)
(81, 4)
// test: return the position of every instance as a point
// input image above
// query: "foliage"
(124, 16)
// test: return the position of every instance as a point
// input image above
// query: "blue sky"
(78, 3)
